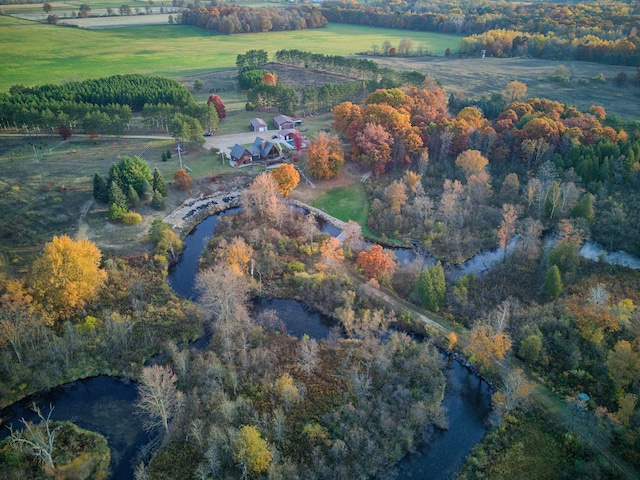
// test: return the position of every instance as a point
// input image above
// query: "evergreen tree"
(168, 154)
(147, 191)
(164, 156)
(424, 291)
(439, 284)
(158, 182)
(117, 202)
(158, 201)
(133, 198)
(100, 188)
(553, 282)
(584, 208)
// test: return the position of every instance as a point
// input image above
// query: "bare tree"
(263, 195)
(515, 387)
(159, 399)
(507, 228)
(223, 293)
(38, 440)
(308, 355)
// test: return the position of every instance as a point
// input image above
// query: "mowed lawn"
(35, 53)
(345, 203)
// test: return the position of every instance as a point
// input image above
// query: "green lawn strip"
(36, 53)
(345, 203)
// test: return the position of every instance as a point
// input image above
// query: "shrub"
(182, 180)
(131, 218)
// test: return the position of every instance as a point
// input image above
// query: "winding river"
(105, 404)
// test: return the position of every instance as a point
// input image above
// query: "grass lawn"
(35, 53)
(346, 203)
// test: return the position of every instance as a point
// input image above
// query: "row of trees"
(230, 19)
(101, 106)
(604, 32)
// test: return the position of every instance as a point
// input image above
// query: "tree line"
(99, 106)
(600, 32)
(229, 19)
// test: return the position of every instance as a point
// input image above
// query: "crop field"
(47, 184)
(35, 53)
(476, 77)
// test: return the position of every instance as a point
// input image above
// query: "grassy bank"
(36, 53)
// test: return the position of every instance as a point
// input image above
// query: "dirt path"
(83, 228)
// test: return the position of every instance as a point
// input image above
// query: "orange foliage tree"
(486, 346)
(182, 180)
(66, 276)
(325, 157)
(286, 177)
(375, 263)
(269, 78)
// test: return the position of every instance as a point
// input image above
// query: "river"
(106, 405)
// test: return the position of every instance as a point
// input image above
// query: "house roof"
(280, 119)
(261, 147)
(258, 122)
(238, 150)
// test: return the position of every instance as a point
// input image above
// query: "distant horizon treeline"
(228, 20)
(599, 32)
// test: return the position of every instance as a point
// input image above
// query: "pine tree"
(553, 282)
(424, 291)
(164, 156)
(168, 154)
(158, 201)
(584, 208)
(133, 198)
(158, 182)
(147, 191)
(117, 202)
(100, 189)
(439, 284)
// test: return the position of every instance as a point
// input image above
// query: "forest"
(231, 19)
(557, 336)
(597, 32)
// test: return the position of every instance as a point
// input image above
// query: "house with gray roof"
(261, 151)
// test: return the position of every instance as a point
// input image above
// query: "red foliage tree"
(298, 141)
(269, 78)
(374, 262)
(217, 102)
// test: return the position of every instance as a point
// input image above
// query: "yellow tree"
(485, 345)
(251, 451)
(262, 195)
(66, 276)
(471, 162)
(515, 91)
(286, 177)
(331, 252)
(237, 255)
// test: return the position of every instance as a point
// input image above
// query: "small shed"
(282, 122)
(258, 125)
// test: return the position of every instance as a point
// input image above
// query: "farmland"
(37, 53)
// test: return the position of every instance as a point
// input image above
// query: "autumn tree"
(159, 400)
(269, 78)
(507, 229)
(263, 196)
(236, 254)
(396, 194)
(216, 101)
(66, 276)
(251, 451)
(326, 157)
(515, 91)
(623, 363)
(331, 252)
(308, 357)
(223, 293)
(471, 162)
(375, 263)
(344, 115)
(515, 387)
(182, 180)
(486, 345)
(412, 180)
(287, 178)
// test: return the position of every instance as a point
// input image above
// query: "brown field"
(476, 77)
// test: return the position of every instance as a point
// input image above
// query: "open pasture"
(35, 53)
(476, 77)
(47, 184)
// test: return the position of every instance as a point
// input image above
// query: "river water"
(106, 405)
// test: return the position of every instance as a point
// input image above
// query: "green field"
(345, 203)
(35, 53)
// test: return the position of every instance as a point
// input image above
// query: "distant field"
(476, 77)
(35, 53)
